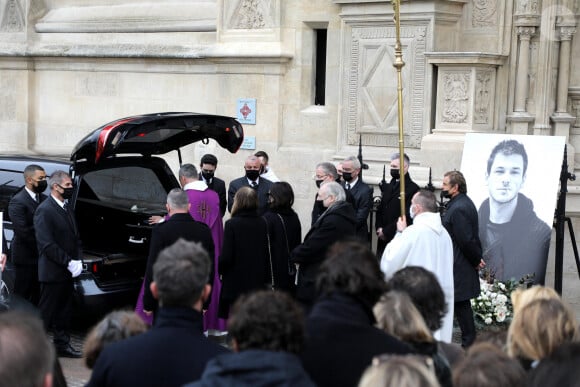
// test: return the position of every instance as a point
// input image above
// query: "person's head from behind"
(264, 159)
(506, 170)
(331, 193)
(208, 165)
(180, 275)
(425, 292)
(423, 201)
(397, 315)
(245, 200)
(187, 174)
(558, 369)
(115, 326)
(400, 371)
(521, 297)
(396, 164)
(351, 268)
(539, 327)
(177, 202)
(27, 358)
(488, 366)
(281, 196)
(266, 320)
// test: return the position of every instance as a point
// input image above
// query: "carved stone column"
(525, 33)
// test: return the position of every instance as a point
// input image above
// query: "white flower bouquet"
(493, 307)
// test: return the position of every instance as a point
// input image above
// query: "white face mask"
(412, 212)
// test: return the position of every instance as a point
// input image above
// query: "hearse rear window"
(132, 188)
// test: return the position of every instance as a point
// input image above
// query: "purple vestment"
(205, 208)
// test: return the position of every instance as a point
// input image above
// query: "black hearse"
(119, 184)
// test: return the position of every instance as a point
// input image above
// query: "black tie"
(347, 186)
(37, 198)
(254, 184)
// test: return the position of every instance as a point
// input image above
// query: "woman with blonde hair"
(538, 328)
(243, 264)
(400, 371)
(397, 315)
(521, 297)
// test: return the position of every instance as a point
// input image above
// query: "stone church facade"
(497, 66)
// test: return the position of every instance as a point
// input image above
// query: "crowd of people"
(323, 310)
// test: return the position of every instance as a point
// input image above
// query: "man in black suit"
(252, 179)
(179, 225)
(389, 210)
(208, 166)
(361, 193)
(24, 250)
(60, 255)
(174, 351)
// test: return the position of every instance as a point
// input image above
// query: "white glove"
(75, 267)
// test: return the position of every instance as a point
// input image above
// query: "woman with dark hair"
(285, 234)
(243, 263)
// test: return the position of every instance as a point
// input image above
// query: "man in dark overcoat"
(23, 249)
(461, 222)
(337, 223)
(253, 168)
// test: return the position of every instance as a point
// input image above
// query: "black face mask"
(207, 175)
(338, 179)
(68, 192)
(40, 187)
(445, 194)
(318, 183)
(252, 174)
(395, 174)
(347, 176)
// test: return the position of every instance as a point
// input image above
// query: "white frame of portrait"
(545, 157)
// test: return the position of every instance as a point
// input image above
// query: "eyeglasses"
(316, 177)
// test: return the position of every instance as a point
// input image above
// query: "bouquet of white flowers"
(494, 306)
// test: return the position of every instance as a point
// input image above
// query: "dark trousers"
(26, 283)
(464, 316)
(56, 309)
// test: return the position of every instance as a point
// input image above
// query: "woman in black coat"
(243, 265)
(285, 234)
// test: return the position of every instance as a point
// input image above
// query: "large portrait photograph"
(513, 182)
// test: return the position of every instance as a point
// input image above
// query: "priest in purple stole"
(205, 207)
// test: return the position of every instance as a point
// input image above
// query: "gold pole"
(399, 65)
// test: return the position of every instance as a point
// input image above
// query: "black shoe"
(68, 351)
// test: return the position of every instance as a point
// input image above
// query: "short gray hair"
(336, 190)
(57, 177)
(328, 168)
(427, 200)
(397, 156)
(355, 161)
(188, 171)
(177, 199)
(181, 272)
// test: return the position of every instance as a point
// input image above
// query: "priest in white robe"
(425, 243)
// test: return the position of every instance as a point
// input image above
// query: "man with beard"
(515, 241)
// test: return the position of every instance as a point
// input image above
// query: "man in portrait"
(514, 240)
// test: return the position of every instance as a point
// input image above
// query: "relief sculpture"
(482, 97)
(484, 13)
(12, 17)
(456, 97)
(252, 14)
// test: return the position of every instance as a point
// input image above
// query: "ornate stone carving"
(252, 14)
(484, 13)
(567, 32)
(371, 95)
(456, 97)
(13, 19)
(529, 7)
(482, 108)
(525, 32)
